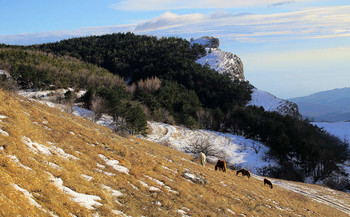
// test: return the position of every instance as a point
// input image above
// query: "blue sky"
(289, 48)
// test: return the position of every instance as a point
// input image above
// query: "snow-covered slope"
(342, 131)
(236, 150)
(221, 61)
(225, 62)
(271, 103)
(338, 129)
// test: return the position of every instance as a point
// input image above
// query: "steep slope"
(330, 105)
(273, 104)
(339, 129)
(225, 62)
(342, 131)
(56, 164)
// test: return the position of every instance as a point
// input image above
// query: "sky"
(289, 48)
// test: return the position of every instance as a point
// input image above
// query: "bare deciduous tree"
(203, 144)
(98, 106)
(149, 85)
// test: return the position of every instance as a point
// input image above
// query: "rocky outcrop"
(207, 42)
(221, 61)
(194, 178)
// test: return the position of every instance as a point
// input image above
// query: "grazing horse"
(244, 172)
(268, 182)
(202, 158)
(221, 165)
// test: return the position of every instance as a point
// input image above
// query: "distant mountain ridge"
(331, 105)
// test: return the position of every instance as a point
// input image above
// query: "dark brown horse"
(244, 172)
(268, 182)
(221, 165)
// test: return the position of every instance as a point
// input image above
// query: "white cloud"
(153, 5)
(324, 22)
(310, 23)
(170, 20)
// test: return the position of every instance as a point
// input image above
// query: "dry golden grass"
(148, 162)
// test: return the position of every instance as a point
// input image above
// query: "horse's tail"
(224, 169)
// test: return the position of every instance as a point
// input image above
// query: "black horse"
(268, 182)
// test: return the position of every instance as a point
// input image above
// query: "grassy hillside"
(53, 163)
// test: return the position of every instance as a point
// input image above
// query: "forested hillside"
(172, 60)
(162, 82)
(41, 70)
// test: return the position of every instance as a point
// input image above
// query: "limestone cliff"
(221, 61)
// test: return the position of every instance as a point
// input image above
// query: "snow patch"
(3, 117)
(36, 147)
(339, 129)
(156, 180)
(183, 213)
(88, 201)
(29, 196)
(100, 166)
(16, 161)
(114, 193)
(3, 132)
(86, 177)
(230, 211)
(114, 164)
(62, 153)
(53, 165)
(120, 213)
(169, 189)
(167, 168)
(107, 173)
(151, 188)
